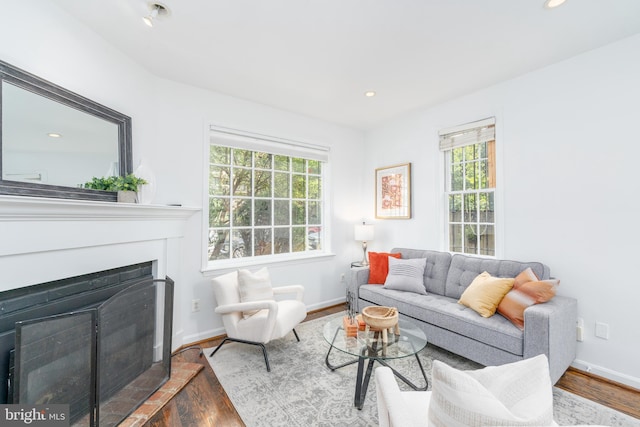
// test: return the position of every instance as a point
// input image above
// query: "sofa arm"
(550, 329)
(357, 276)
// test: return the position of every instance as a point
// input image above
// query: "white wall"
(168, 134)
(568, 157)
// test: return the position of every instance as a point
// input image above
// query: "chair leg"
(218, 347)
(264, 349)
(296, 334)
(266, 359)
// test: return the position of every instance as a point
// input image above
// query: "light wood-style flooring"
(203, 402)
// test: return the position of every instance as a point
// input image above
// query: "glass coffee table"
(369, 345)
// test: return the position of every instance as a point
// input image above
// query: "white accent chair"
(275, 318)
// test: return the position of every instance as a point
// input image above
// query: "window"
(264, 200)
(470, 187)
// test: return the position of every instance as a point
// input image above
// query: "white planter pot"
(127, 197)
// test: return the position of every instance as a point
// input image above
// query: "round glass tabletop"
(370, 344)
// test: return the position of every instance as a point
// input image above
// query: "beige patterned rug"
(301, 391)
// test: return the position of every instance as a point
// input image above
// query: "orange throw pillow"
(525, 276)
(379, 267)
(527, 291)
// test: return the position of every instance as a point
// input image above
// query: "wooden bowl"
(379, 317)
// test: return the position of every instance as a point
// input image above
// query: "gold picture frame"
(393, 192)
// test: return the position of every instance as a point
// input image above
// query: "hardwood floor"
(203, 402)
(606, 392)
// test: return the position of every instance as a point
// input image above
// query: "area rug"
(301, 391)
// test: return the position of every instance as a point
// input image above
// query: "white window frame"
(460, 136)
(245, 140)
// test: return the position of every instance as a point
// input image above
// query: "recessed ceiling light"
(370, 94)
(54, 135)
(156, 11)
(550, 4)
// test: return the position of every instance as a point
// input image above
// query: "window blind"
(467, 134)
(267, 144)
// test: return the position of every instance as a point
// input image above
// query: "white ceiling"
(319, 57)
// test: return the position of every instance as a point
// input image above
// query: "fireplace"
(100, 343)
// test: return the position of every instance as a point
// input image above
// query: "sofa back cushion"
(464, 269)
(436, 268)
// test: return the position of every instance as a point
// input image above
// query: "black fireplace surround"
(100, 343)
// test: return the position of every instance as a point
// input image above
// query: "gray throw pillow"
(406, 275)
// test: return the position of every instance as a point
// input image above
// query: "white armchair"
(273, 319)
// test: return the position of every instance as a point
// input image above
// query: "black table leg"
(405, 380)
(363, 378)
(326, 359)
(362, 384)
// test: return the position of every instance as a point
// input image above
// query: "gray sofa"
(550, 328)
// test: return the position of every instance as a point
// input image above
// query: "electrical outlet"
(602, 330)
(195, 305)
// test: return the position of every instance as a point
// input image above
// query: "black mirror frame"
(42, 87)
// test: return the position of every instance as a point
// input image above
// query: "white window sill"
(220, 266)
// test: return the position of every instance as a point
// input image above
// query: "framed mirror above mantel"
(52, 140)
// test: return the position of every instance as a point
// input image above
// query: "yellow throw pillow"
(485, 293)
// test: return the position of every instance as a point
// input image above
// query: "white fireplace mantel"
(19, 208)
(44, 239)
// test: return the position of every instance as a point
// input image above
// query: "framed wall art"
(393, 192)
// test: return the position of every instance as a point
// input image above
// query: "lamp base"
(365, 261)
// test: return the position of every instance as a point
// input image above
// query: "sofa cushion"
(465, 268)
(485, 293)
(435, 270)
(406, 275)
(379, 266)
(446, 313)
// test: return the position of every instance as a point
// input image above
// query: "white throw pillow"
(254, 287)
(515, 394)
(406, 275)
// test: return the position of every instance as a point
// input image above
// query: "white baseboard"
(325, 304)
(204, 335)
(607, 373)
(177, 339)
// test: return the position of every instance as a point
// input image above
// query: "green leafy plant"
(116, 183)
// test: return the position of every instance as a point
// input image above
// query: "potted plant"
(126, 186)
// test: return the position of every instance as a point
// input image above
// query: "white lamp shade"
(364, 233)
